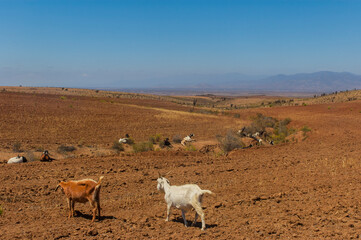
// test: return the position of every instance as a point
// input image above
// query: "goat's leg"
(98, 206)
(69, 207)
(72, 208)
(199, 210)
(184, 218)
(195, 219)
(196, 215)
(168, 212)
(94, 206)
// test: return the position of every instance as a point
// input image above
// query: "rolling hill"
(317, 82)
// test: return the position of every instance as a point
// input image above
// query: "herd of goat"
(184, 197)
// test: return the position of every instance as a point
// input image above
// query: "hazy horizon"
(127, 44)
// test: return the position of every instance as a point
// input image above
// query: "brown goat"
(82, 191)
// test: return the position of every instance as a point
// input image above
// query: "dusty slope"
(307, 190)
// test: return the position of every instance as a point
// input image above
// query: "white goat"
(183, 197)
(124, 140)
(17, 159)
(187, 139)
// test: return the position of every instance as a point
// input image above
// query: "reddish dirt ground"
(306, 190)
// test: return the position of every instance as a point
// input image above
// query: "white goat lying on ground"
(82, 191)
(124, 140)
(17, 159)
(183, 197)
(187, 139)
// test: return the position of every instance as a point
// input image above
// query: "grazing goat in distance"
(17, 159)
(187, 139)
(183, 197)
(82, 191)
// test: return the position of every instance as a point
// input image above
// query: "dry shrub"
(130, 141)
(39, 149)
(261, 122)
(190, 148)
(161, 144)
(155, 138)
(118, 146)
(143, 147)
(177, 138)
(230, 142)
(30, 156)
(17, 147)
(65, 149)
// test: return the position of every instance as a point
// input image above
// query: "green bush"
(1, 210)
(305, 130)
(230, 142)
(143, 147)
(155, 138)
(190, 148)
(118, 146)
(281, 131)
(278, 137)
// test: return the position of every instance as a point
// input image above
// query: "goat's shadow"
(90, 216)
(198, 224)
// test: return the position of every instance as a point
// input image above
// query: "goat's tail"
(100, 180)
(208, 191)
(97, 188)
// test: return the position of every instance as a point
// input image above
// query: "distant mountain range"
(324, 81)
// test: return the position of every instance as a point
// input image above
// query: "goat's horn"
(159, 175)
(168, 172)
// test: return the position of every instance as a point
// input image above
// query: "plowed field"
(308, 189)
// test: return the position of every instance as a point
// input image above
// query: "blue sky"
(109, 43)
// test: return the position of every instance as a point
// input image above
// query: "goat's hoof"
(203, 229)
(166, 220)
